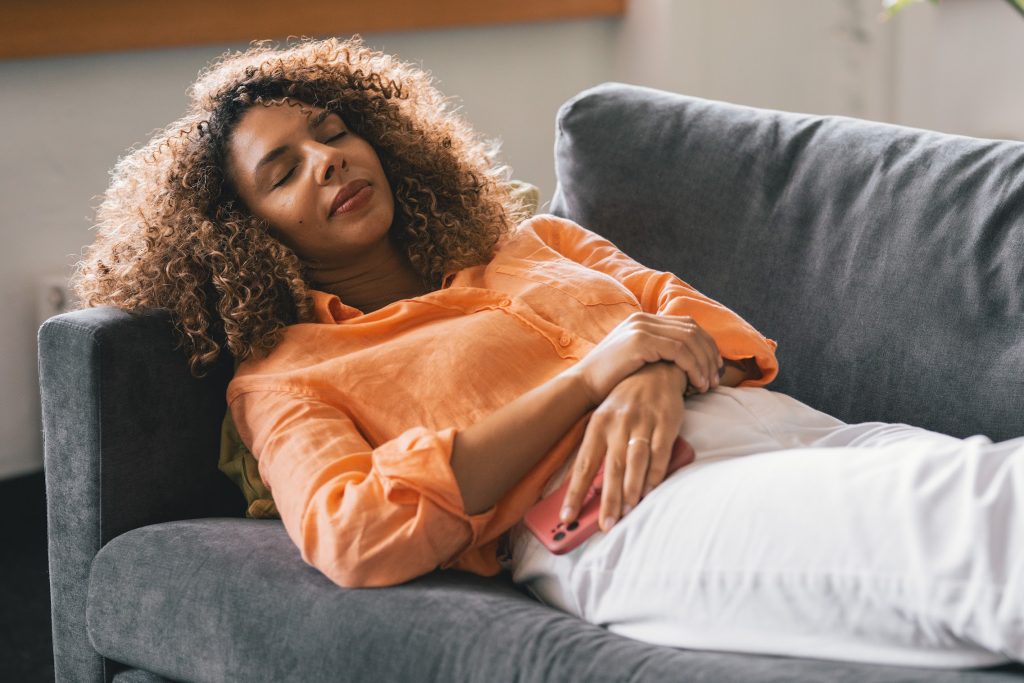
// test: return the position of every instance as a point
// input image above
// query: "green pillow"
(242, 468)
(526, 193)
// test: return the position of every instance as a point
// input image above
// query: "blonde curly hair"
(172, 232)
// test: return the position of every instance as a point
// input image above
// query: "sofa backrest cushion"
(888, 262)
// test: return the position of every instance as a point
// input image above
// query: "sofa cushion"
(885, 260)
(230, 599)
(139, 676)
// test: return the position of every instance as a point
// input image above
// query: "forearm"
(738, 370)
(489, 457)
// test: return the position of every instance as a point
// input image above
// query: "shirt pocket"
(586, 285)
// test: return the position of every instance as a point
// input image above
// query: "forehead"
(263, 121)
(264, 127)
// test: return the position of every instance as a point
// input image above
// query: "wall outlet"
(53, 297)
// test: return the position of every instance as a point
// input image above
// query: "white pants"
(797, 534)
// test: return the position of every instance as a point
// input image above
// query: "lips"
(347, 191)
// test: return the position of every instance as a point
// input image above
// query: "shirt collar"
(329, 309)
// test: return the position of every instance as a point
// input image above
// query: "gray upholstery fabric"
(886, 261)
(140, 676)
(155, 575)
(230, 600)
(127, 442)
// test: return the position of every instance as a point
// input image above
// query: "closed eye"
(287, 175)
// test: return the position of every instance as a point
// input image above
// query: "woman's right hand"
(648, 338)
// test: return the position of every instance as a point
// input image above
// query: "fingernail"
(648, 490)
(566, 513)
(626, 508)
(609, 522)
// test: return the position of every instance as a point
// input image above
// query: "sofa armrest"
(130, 439)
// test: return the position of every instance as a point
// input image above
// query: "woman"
(418, 363)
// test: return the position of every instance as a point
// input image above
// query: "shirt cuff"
(420, 460)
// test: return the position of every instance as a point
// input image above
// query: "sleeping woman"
(420, 360)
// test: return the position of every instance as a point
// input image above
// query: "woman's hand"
(646, 406)
(645, 338)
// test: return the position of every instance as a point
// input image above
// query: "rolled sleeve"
(662, 293)
(365, 517)
(666, 294)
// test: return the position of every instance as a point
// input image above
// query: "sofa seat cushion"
(139, 676)
(231, 599)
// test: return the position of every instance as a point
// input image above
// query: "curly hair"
(172, 232)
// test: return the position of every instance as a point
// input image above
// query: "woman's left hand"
(646, 407)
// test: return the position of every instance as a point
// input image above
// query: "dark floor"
(26, 645)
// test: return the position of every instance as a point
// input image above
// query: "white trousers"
(797, 534)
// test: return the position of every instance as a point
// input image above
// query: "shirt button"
(565, 340)
(505, 302)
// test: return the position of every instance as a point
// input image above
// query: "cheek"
(289, 211)
(280, 221)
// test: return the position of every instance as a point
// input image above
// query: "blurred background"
(83, 82)
(72, 104)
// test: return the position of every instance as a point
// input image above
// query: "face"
(319, 186)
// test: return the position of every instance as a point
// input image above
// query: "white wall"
(65, 121)
(798, 55)
(954, 68)
(960, 69)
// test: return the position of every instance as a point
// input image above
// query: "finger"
(686, 359)
(715, 362)
(672, 319)
(638, 457)
(662, 441)
(584, 469)
(682, 353)
(676, 327)
(611, 493)
(684, 342)
(702, 344)
(703, 349)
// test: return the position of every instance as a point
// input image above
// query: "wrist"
(671, 371)
(674, 375)
(580, 389)
(737, 371)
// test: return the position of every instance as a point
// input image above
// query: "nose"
(328, 161)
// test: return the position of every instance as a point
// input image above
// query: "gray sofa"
(886, 261)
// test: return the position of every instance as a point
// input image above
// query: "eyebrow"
(314, 123)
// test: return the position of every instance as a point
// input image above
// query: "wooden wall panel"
(35, 28)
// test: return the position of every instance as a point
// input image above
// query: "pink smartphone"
(543, 518)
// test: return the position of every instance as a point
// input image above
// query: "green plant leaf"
(891, 7)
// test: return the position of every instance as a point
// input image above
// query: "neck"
(380, 278)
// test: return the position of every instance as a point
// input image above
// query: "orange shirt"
(352, 418)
